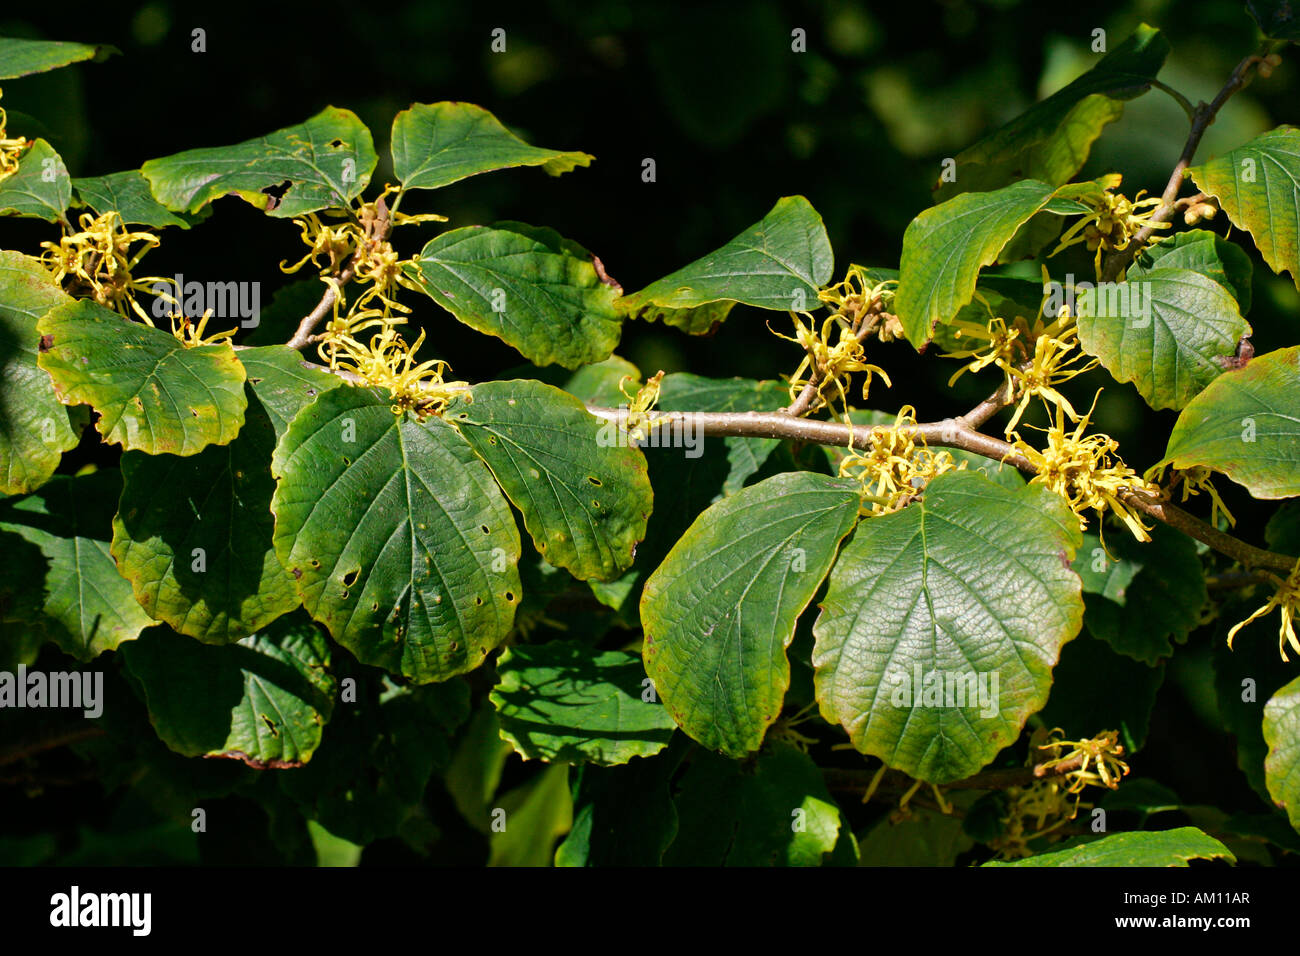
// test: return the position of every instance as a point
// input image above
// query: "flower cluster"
(1112, 221)
(893, 468)
(639, 421)
(10, 148)
(96, 263)
(1085, 472)
(833, 352)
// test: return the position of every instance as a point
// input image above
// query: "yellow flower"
(639, 420)
(1112, 222)
(1083, 472)
(829, 365)
(894, 469)
(10, 149)
(96, 263)
(1287, 598)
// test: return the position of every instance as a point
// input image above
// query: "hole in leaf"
(510, 595)
(350, 578)
(478, 601)
(595, 481)
(485, 529)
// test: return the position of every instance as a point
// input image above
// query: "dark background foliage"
(733, 119)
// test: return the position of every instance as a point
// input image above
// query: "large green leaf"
(263, 700)
(436, 144)
(535, 290)
(193, 535)
(682, 391)
(1258, 186)
(40, 187)
(564, 702)
(967, 593)
(1051, 140)
(1163, 848)
(127, 193)
(88, 606)
(945, 247)
(1282, 734)
(34, 427)
(1246, 424)
(327, 161)
(1200, 250)
(1168, 331)
(284, 382)
(778, 263)
(720, 611)
(152, 393)
(25, 57)
(396, 535)
(776, 812)
(585, 498)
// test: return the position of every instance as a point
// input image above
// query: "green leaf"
(563, 702)
(1282, 765)
(371, 772)
(599, 383)
(128, 194)
(922, 838)
(40, 187)
(531, 288)
(720, 611)
(733, 815)
(945, 247)
(263, 700)
(778, 263)
(536, 815)
(327, 161)
(1246, 424)
(34, 427)
(1168, 331)
(88, 605)
(1152, 592)
(622, 816)
(1051, 140)
(284, 382)
(25, 57)
(1258, 186)
(193, 535)
(967, 592)
(436, 144)
(397, 537)
(584, 496)
(152, 393)
(1277, 18)
(1200, 250)
(682, 391)
(1081, 712)
(1164, 848)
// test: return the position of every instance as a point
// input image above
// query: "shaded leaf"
(263, 700)
(562, 701)
(1164, 848)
